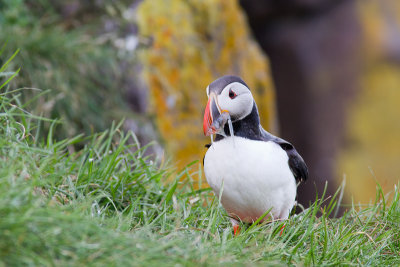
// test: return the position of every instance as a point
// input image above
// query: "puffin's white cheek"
(249, 104)
(242, 106)
(238, 107)
(224, 103)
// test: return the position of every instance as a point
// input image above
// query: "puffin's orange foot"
(236, 230)
(282, 228)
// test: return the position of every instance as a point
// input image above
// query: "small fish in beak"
(219, 123)
(214, 118)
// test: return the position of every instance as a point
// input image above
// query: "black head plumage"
(219, 84)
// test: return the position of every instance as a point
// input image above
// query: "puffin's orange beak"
(210, 114)
(207, 121)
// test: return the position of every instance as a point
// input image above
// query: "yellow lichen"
(193, 43)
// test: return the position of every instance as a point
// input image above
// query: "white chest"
(253, 176)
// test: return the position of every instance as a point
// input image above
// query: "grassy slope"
(107, 205)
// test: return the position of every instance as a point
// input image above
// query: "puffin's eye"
(232, 94)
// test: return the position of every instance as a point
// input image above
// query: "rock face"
(335, 67)
(191, 43)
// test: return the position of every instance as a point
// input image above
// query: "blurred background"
(325, 75)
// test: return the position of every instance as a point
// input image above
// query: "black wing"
(296, 162)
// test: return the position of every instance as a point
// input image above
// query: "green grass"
(108, 205)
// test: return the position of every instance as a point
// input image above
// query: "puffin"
(251, 171)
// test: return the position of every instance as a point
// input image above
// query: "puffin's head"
(226, 95)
